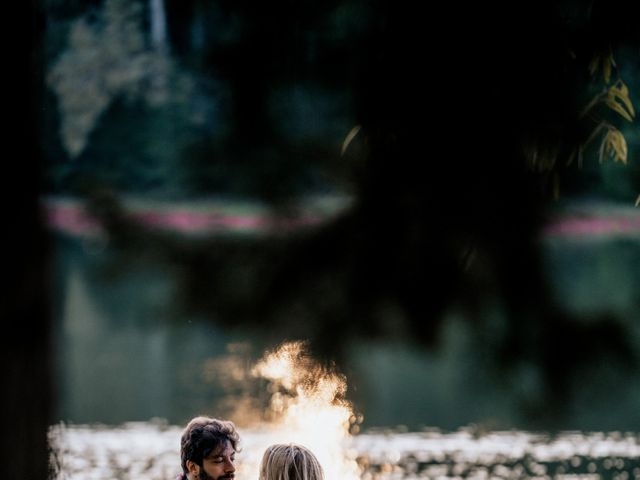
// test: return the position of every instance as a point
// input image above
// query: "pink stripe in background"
(593, 226)
(70, 216)
(186, 221)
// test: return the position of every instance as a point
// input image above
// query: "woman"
(290, 462)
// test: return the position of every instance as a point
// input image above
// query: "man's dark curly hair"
(202, 436)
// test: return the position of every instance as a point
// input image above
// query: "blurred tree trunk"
(158, 19)
(25, 351)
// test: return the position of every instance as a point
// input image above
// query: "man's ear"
(192, 467)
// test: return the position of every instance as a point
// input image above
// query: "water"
(150, 450)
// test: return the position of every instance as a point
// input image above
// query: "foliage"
(616, 98)
(107, 58)
(594, 122)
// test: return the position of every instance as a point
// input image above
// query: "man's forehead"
(225, 448)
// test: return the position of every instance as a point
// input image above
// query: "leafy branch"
(613, 97)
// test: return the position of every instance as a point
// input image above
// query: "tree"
(25, 363)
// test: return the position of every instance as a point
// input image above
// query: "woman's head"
(290, 462)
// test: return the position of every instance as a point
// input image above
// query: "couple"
(208, 447)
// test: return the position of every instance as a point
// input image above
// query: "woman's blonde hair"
(290, 462)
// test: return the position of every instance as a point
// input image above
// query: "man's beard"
(205, 476)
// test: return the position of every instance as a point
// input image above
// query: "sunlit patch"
(307, 406)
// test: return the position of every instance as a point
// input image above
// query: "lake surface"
(150, 450)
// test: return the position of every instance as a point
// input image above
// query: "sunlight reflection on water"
(151, 451)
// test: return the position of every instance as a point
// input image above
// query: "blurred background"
(443, 202)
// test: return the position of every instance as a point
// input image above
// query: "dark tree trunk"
(25, 352)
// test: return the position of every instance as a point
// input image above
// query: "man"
(207, 449)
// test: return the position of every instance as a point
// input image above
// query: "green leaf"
(619, 101)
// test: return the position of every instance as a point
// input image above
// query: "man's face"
(218, 465)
